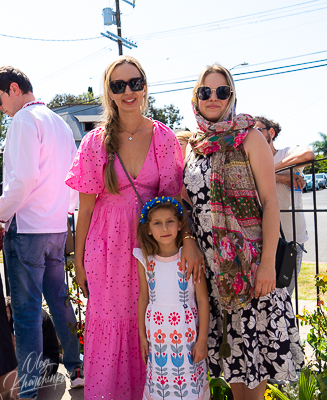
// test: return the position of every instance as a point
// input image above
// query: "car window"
(319, 176)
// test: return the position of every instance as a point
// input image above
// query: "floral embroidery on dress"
(172, 329)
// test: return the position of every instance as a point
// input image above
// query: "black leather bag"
(285, 261)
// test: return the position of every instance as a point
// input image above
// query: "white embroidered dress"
(171, 325)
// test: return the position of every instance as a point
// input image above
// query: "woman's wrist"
(187, 235)
(79, 264)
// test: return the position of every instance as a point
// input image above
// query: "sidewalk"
(61, 391)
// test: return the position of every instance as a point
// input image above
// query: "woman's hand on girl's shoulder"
(194, 258)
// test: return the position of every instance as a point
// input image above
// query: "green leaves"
(168, 115)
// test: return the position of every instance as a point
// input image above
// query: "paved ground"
(61, 391)
(321, 197)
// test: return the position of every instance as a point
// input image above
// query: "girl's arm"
(86, 207)
(191, 253)
(262, 165)
(200, 349)
(142, 304)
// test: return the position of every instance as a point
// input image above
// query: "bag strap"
(280, 223)
(282, 232)
(129, 178)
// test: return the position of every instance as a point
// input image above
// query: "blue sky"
(220, 33)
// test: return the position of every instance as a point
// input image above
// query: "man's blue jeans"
(35, 265)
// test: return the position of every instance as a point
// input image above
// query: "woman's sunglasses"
(135, 84)
(222, 92)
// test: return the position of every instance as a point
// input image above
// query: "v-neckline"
(145, 160)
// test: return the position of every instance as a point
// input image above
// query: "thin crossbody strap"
(129, 178)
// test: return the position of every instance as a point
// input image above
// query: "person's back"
(39, 150)
(51, 148)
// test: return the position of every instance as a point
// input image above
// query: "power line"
(242, 73)
(288, 58)
(84, 60)
(243, 79)
(50, 40)
(213, 25)
(167, 81)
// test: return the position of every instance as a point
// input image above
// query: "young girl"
(169, 317)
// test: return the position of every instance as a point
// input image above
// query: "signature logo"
(35, 373)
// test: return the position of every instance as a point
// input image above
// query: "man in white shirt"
(39, 150)
(282, 159)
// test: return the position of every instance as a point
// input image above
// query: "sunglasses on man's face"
(222, 92)
(135, 84)
(1, 96)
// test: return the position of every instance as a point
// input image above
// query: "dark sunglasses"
(222, 92)
(135, 84)
(262, 129)
(5, 91)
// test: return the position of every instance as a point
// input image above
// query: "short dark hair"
(8, 75)
(270, 124)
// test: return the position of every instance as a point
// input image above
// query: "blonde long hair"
(110, 119)
(219, 69)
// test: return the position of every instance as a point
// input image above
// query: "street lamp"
(238, 65)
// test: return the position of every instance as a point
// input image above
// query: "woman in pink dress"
(106, 226)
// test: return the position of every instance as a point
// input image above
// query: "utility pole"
(111, 17)
(120, 45)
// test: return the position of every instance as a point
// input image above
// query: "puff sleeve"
(86, 171)
(169, 158)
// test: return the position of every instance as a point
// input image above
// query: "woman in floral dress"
(252, 334)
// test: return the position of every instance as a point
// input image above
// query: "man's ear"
(272, 133)
(15, 88)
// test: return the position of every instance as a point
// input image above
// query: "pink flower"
(228, 251)
(162, 380)
(158, 318)
(194, 311)
(238, 283)
(174, 318)
(188, 316)
(239, 138)
(199, 370)
(194, 377)
(148, 315)
(179, 380)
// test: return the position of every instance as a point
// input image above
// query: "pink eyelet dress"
(112, 359)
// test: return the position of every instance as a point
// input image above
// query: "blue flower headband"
(159, 200)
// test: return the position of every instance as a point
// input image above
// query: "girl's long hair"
(147, 242)
(110, 119)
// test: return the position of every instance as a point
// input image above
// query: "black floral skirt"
(263, 335)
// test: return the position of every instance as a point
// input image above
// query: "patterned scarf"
(236, 223)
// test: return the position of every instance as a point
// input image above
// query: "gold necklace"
(132, 133)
